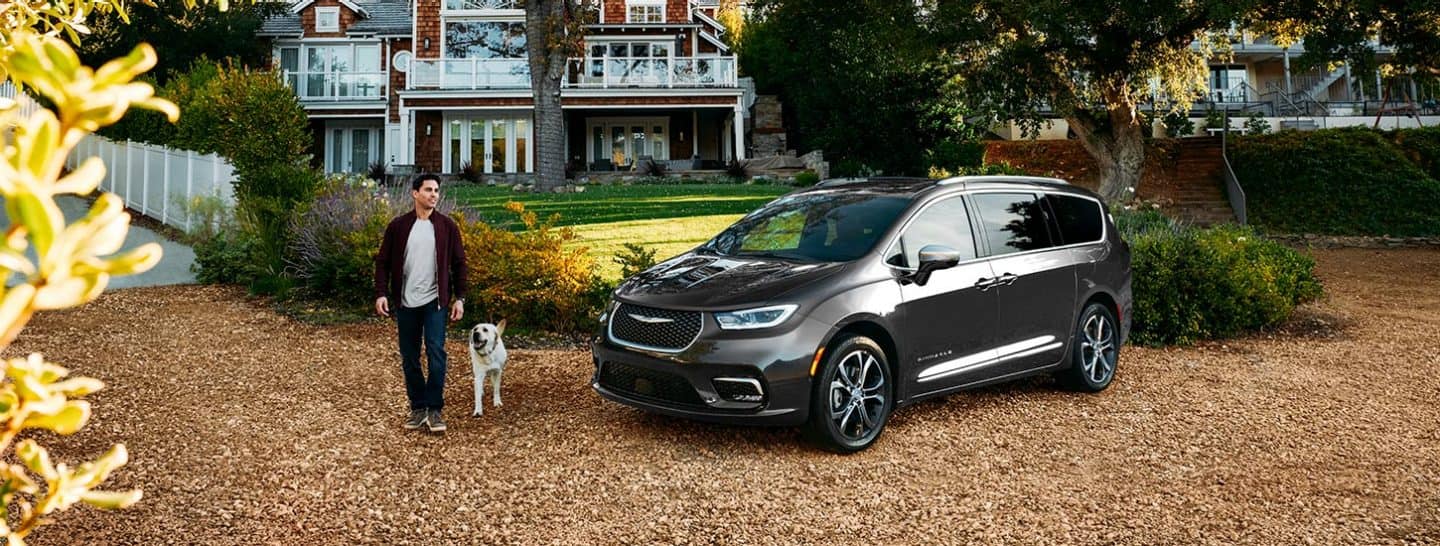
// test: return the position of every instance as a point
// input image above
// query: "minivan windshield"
(833, 226)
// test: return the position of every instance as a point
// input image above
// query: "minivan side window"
(1080, 219)
(1012, 222)
(942, 223)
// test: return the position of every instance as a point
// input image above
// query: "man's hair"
(420, 180)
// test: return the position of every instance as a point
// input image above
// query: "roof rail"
(840, 181)
(1002, 178)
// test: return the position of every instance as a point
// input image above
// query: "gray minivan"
(833, 305)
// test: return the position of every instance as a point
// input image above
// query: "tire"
(1092, 369)
(852, 396)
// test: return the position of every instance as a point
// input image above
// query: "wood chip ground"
(248, 428)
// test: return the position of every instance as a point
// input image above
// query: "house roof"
(384, 17)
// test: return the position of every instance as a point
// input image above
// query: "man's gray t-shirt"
(420, 278)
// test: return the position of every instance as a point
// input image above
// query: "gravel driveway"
(245, 427)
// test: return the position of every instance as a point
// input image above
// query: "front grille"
(666, 329)
(648, 384)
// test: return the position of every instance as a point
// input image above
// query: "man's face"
(428, 196)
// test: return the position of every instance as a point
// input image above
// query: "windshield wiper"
(777, 255)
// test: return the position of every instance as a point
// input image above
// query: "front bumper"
(684, 384)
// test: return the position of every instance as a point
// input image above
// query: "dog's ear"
(500, 328)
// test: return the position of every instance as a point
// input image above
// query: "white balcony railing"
(611, 72)
(337, 86)
(603, 73)
(469, 74)
(484, 4)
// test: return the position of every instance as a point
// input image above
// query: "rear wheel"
(851, 399)
(1094, 352)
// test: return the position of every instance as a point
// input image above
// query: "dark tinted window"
(1080, 219)
(1012, 222)
(816, 226)
(944, 223)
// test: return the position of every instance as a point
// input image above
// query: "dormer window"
(327, 19)
(645, 11)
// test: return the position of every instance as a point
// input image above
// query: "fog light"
(739, 389)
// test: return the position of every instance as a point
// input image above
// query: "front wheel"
(1094, 352)
(851, 398)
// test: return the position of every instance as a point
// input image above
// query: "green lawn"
(668, 236)
(616, 203)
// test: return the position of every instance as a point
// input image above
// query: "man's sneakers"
(418, 418)
(436, 423)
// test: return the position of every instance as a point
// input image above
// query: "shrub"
(1422, 147)
(954, 155)
(1214, 119)
(1178, 124)
(806, 179)
(332, 252)
(1335, 181)
(377, 171)
(634, 259)
(532, 278)
(471, 173)
(1193, 284)
(1256, 125)
(229, 256)
(735, 169)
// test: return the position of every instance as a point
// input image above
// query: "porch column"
(1350, 86)
(1379, 87)
(739, 131)
(694, 133)
(1288, 91)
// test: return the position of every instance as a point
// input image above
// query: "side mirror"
(934, 258)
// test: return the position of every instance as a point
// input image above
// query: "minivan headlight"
(750, 319)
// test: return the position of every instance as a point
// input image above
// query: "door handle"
(986, 283)
(1006, 279)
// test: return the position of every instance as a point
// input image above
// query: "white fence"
(159, 182)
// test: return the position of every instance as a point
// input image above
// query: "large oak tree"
(1091, 62)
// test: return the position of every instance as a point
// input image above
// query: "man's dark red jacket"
(449, 258)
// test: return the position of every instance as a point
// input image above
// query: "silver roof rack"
(1002, 178)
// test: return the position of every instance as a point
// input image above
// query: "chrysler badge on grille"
(650, 320)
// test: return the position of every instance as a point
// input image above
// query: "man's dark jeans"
(415, 323)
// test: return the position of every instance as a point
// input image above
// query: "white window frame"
(649, 123)
(466, 123)
(646, 16)
(321, 13)
(375, 136)
(301, 85)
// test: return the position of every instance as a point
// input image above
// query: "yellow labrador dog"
(487, 357)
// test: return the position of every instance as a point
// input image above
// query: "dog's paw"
(477, 413)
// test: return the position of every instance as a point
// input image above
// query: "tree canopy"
(207, 30)
(860, 80)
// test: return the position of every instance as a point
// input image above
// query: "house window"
(484, 40)
(629, 63)
(645, 11)
(484, 54)
(327, 19)
(1227, 83)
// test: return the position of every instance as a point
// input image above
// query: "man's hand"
(382, 306)
(457, 310)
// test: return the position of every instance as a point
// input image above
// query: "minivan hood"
(705, 281)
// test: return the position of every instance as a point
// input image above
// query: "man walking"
(421, 265)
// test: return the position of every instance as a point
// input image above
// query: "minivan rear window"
(815, 226)
(1080, 219)
(1013, 222)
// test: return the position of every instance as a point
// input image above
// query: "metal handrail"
(1233, 191)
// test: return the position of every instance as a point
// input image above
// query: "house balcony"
(320, 87)
(580, 73)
